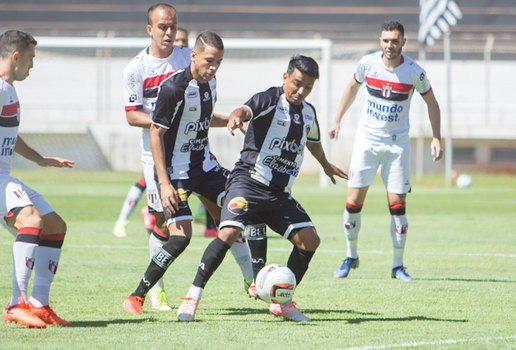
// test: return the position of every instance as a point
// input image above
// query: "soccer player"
(382, 139)
(38, 229)
(182, 157)
(142, 77)
(281, 125)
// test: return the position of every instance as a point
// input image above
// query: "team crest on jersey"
(206, 96)
(191, 94)
(297, 119)
(237, 206)
(386, 90)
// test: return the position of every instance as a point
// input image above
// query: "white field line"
(432, 343)
(328, 251)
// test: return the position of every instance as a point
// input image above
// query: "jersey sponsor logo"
(192, 109)
(197, 126)
(281, 123)
(281, 165)
(191, 94)
(297, 119)
(8, 144)
(386, 113)
(238, 206)
(285, 145)
(194, 145)
(132, 98)
(206, 97)
(183, 198)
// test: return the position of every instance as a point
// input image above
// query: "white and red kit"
(382, 137)
(142, 78)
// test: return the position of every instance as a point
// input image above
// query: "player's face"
(181, 39)
(297, 86)
(162, 30)
(392, 44)
(206, 62)
(24, 62)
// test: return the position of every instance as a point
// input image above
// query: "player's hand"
(436, 149)
(334, 131)
(169, 197)
(57, 162)
(235, 123)
(332, 170)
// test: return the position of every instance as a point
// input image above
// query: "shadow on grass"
(100, 324)
(488, 280)
(400, 319)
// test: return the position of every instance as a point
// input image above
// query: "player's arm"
(434, 114)
(219, 120)
(348, 96)
(329, 169)
(238, 117)
(138, 118)
(26, 151)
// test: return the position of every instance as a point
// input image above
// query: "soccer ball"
(275, 284)
(464, 181)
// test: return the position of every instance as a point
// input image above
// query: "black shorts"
(210, 185)
(248, 201)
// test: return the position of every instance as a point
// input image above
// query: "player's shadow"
(100, 324)
(487, 280)
(250, 311)
(400, 319)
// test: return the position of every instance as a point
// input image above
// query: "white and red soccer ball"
(275, 284)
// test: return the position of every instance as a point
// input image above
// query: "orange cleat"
(48, 315)
(21, 314)
(134, 304)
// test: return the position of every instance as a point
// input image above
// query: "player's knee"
(229, 234)
(397, 208)
(306, 239)
(28, 217)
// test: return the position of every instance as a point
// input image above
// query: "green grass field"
(461, 250)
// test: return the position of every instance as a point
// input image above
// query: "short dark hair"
(208, 39)
(393, 25)
(181, 29)
(15, 40)
(305, 65)
(155, 6)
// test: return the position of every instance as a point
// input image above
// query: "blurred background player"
(382, 139)
(142, 77)
(183, 160)
(39, 230)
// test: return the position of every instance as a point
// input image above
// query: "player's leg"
(46, 265)
(396, 177)
(363, 167)
(130, 202)
(24, 221)
(158, 235)
(257, 241)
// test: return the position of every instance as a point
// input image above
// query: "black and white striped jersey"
(185, 108)
(275, 140)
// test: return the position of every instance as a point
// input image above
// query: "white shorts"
(16, 194)
(153, 198)
(391, 155)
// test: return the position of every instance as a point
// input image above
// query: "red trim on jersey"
(133, 108)
(33, 231)
(10, 110)
(396, 87)
(153, 82)
(54, 237)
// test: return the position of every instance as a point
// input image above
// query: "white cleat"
(159, 300)
(289, 311)
(186, 311)
(120, 230)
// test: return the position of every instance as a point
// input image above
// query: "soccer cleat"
(289, 311)
(22, 315)
(120, 230)
(186, 311)
(47, 315)
(400, 273)
(134, 304)
(159, 300)
(211, 232)
(252, 292)
(347, 265)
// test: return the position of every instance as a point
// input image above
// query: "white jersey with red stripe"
(9, 122)
(389, 91)
(142, 78)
